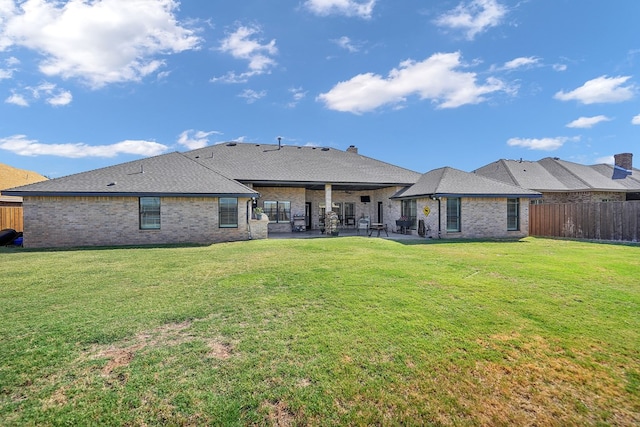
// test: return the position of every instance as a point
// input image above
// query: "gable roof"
(13, 177)
(171, 174)
(450, 182)
(311, 167)
(555, 175)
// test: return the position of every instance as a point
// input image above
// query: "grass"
(347, 331)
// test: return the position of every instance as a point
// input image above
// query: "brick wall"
(583, 197)
(107, 221)
(479, 217)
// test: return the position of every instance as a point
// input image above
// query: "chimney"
(624, 160)
(352, 149)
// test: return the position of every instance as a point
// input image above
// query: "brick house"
(456, 204)
(158, 200)
(208, 195)
(561, 181)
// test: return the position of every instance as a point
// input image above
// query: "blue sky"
(420, 84)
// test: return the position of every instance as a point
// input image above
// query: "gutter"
(122, 194)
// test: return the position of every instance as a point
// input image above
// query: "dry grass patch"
(538, 383)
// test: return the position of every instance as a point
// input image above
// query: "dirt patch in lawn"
(119, 355)
(122, 353)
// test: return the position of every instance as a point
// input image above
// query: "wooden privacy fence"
(598, 221)
(11, 217)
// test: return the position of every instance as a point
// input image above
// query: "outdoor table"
(379, 227)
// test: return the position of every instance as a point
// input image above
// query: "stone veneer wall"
(583, 197)
(480, 218)
(107, 221)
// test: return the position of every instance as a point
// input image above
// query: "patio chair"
(363, 224)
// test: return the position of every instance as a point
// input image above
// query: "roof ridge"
(559, 162)
(514, 181)
(215, 171)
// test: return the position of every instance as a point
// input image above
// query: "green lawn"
(342, 331)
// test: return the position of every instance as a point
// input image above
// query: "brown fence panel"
(11, 217)
(600, 221)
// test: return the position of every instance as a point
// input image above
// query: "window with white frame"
(149, 212)
(453, 214)
(228, 212)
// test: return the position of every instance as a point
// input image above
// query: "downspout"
(248, 215)
(439, 218)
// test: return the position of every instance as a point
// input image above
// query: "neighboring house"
(12, 177)
(457, 204)
(560, 181)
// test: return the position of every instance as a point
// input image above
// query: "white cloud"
(560, 67)
(588, 122)
(521, 62)
(252, 96)
(544, 144)
(435, 78)
(52, 95)
(636, 120)
(11, 63)
(17, 99)
(600, 90)
(298, 95)
(473, 17)
(193, 139)
(361, 9)
(63, 97)
(241, 45)
(98, 42)
(606, 159)
(346, 43)
(19, 144)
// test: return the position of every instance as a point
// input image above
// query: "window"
(453, 214)
(278, 211)
(409, 208)
(149, 210)
(228, 212)
(513, 214)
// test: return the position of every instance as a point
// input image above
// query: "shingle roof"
(555, 175)
(167, 174)
(293, 164)
(453, 182)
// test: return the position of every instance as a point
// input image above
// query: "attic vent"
(231, 144)
(325, 149)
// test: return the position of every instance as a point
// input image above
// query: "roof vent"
(111, 184)
(231, 144)
(325, 149)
